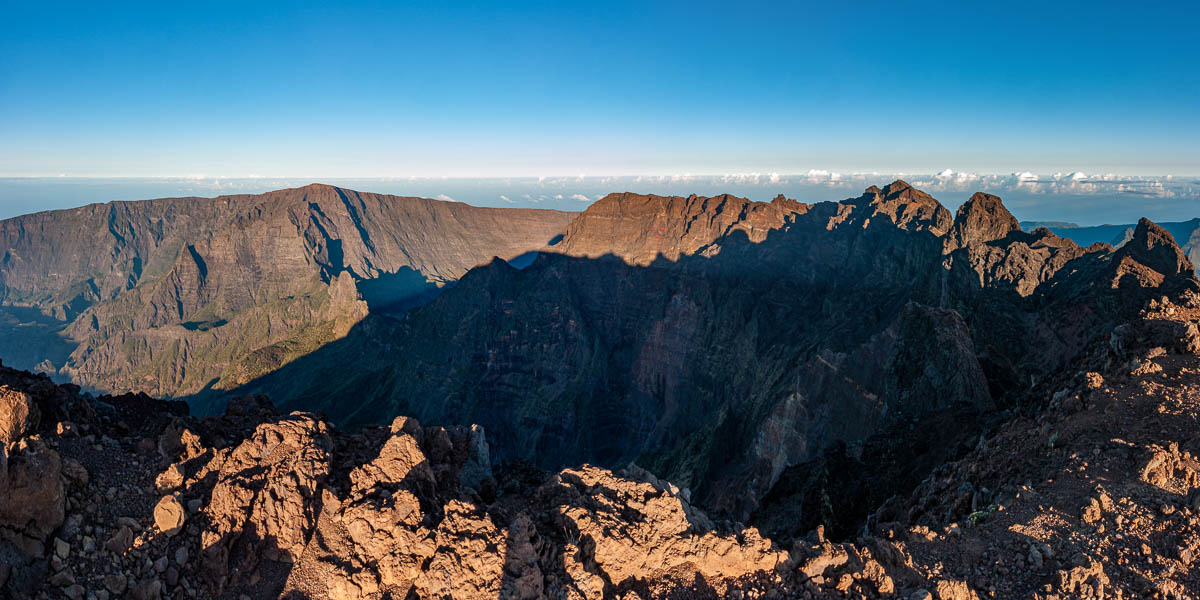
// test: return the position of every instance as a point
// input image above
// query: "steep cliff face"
(60, 262)
(719, 341)
(191, 293)
(640, 228)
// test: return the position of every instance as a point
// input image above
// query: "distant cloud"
(446, 198)
(747, 178)
(822, 176)
(506, 198)
(581, 198)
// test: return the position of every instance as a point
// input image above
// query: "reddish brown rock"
(169, 515)
(18, 415)
(31, 496)
(640, 229)
(266, 496)
(640, 530)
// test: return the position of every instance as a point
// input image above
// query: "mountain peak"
(982, 218)
(908, 207)
(1156, 248)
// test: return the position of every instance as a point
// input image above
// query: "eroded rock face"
(404, 522)
(1153, 247)
(640, 229)
(401, 526)
(632, 529)
(981, 219)
(33, 482)
(187, 290)
(265, 497)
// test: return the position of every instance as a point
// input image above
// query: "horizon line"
(658, 175)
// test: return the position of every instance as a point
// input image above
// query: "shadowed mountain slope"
(719, 341)
(1091, 493)
(171, 296)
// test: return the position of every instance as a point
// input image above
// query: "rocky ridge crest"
(180, 295)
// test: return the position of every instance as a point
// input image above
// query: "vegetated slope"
(177, 295)
(761, 337)
(1186, 234)
(1092, 492)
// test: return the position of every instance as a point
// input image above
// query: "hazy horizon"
(1073, 197)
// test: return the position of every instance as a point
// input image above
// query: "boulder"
(19, 415)
(177, 442)
(31, 496)
(169, 515)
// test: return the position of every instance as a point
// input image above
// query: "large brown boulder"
(18, 415)
(31, 496)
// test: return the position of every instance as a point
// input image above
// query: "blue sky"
(507, 89)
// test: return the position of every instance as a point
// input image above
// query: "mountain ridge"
(841, 321)
(200, 264)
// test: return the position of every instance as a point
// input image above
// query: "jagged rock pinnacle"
(981, 219)
(1154, 247)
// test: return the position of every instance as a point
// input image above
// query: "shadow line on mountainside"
(676, 364)
(774, 286)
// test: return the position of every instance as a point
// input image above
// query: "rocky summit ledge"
(1096, 495)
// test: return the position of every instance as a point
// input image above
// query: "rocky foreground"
(1094, 493)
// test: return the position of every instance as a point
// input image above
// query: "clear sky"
(505, 89)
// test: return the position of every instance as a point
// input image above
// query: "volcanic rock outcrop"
(641, 229)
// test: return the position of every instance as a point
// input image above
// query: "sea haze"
(1073, 197)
